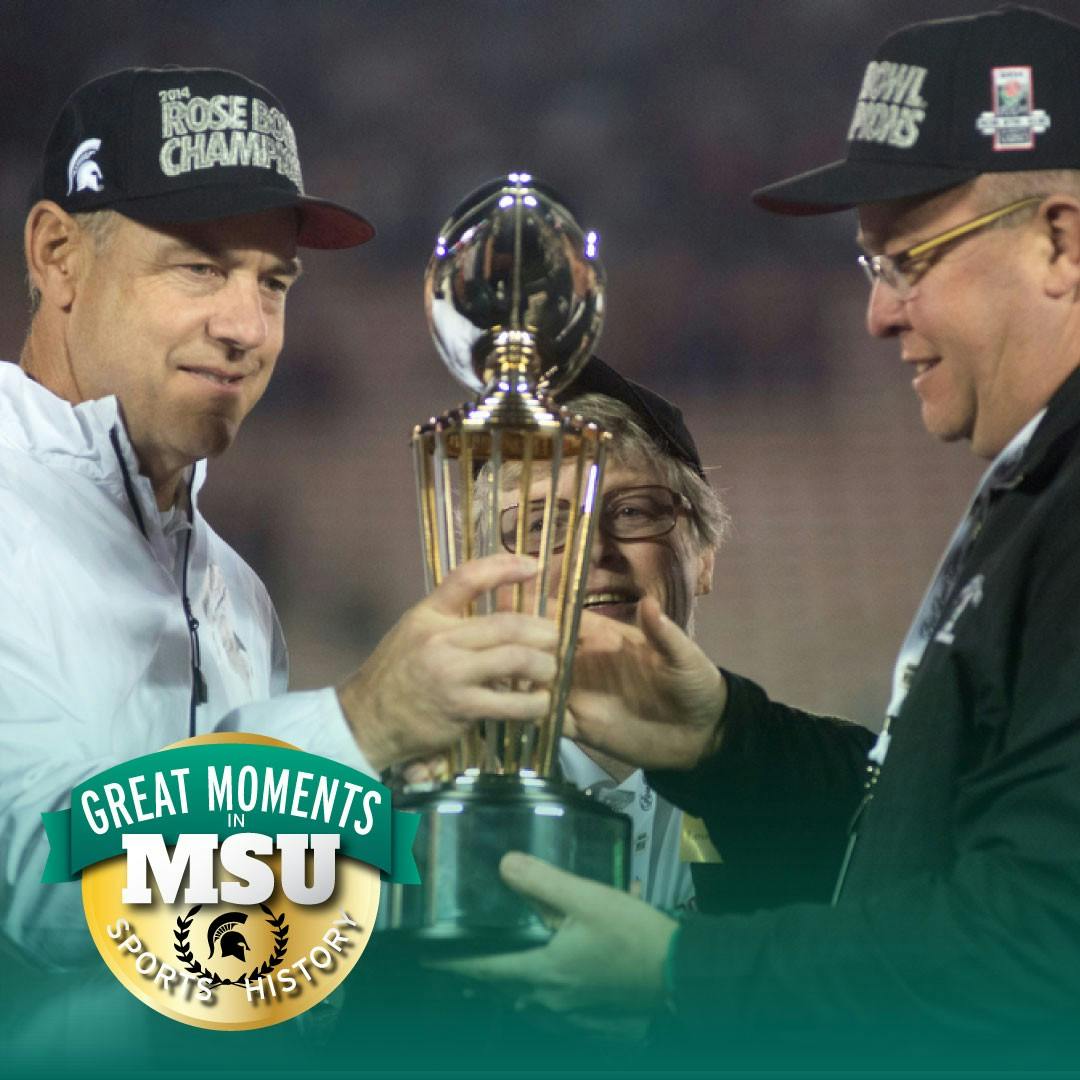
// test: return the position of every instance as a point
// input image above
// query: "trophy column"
(514, 297)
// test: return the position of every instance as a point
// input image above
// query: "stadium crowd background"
(655, 118)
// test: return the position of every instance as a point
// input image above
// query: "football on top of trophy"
(514, 290)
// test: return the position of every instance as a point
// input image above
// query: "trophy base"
(462, 905)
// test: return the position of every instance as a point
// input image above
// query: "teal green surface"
(393, 1019)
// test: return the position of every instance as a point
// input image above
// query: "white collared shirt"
(656, 827)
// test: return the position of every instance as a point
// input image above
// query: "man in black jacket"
(953, 846)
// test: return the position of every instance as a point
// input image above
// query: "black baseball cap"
(174, 145)
(947, 100)
(661, 420)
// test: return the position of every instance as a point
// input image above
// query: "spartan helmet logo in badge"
(84, 173)
(223, 929)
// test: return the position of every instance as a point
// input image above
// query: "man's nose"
(605, 548)
(886, 313)
(239, 318)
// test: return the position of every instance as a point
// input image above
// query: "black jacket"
(958, 920)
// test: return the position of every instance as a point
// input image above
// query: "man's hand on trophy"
(427, 770)
(438, 670)
(645, 694)
(605, 963)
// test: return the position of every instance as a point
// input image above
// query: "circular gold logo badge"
(241, 929)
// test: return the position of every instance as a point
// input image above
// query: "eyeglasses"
(902, 271)
(631, 513)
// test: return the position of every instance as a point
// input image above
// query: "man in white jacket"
(159, 250)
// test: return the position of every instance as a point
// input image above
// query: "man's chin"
(944, 427)
(212, 436)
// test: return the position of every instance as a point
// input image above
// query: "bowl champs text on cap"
(173, 145)
(946, 100)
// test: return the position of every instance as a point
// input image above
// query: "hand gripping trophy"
(514, 295)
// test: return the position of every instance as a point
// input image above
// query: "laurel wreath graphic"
(182, 948)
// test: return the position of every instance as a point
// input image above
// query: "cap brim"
(660, 418)
(843, 185)
(323, 224)
(326, 225)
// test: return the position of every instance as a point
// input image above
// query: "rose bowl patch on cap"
(946, 100)
(172, 145)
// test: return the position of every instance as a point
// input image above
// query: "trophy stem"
(489, 537)
(547, 535)
(447, 536)
(571, 532)
(476, 743)
(465, 468)
(540, 740)
(575, 572)
(524, 489)
(514, 736)
(515, 288)
(425, 499)
(549, 736)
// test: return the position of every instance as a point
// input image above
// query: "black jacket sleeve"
(777, 800)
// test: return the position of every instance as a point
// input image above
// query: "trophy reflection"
(514, 294)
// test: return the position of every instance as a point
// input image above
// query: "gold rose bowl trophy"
(514, 294)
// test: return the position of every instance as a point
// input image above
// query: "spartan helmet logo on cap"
(84, 173)
(233, 942)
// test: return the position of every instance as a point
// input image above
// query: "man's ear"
(705, 574)
(54, 245)
(1062, 214)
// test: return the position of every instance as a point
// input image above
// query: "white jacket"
(95, 647)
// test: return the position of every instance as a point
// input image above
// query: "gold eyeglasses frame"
(902, 271)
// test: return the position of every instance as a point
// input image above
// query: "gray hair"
(633, 447)
(999, 189)
(98, 225)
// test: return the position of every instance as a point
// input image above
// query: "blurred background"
(655, 119)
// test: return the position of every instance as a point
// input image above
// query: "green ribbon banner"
(226, 788)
